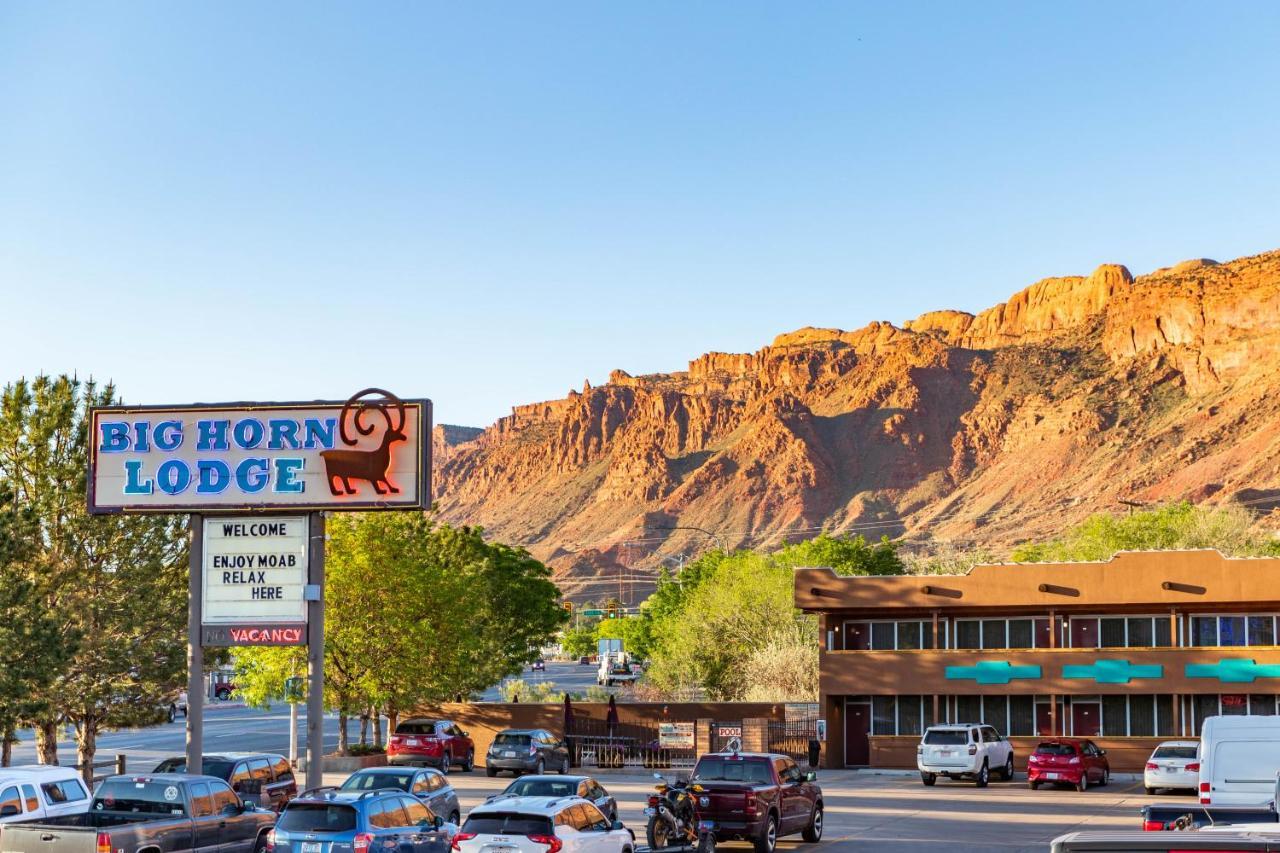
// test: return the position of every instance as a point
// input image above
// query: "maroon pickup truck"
(757, 797)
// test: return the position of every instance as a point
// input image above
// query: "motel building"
(1126, 652)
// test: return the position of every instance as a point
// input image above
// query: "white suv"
(509, 824)
(964, 750)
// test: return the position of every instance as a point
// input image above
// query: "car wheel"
(455, 818)
(260, 846)
(1106, 778)
(445, 763)
(1035, 786)
(1150, 791)
(173, 715)
(768, 837)
(984, 775)
(469, 762)
(540, 767)
(1007, 773)
(929, 779)
(813, 832)
(564, 766)
(1084, 783)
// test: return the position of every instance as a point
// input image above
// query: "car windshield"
(542, 788)
(418, 727)
(373, 781)
(139, 797)
(220, 769)
(505, 739)
(946, 737)
(1055, 749)
(508, 823)
(717, 769)
(1175, 752)
(317, 817)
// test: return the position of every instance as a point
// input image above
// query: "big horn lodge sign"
(371, 452)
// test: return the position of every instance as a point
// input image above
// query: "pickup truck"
(159, 813)
(757, 797)
(1157, 818)
(1110, 842)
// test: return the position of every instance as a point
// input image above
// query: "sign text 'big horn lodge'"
(371, 452)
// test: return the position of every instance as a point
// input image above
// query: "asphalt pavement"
(573, 677)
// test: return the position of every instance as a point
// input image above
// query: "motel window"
(1112, 632)
(883, 715)
(1020, 634)
(909, 635)
(1115, 715)
(968, 634)
(968, 709)
(993, 634)
(1231, 631)
(1140, 634)
(1234, 704)
(1203, 706)
(1022, 717)
(909, 715)
(1164, 633)
(882, 636)
(1204, 630)
(995, 712)
(1142, 716)
(1164, 716)
(1262, 705)
(1262, 631)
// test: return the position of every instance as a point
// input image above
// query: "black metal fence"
(598, 743)
(792, 737)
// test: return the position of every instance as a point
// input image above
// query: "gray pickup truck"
(157, 813)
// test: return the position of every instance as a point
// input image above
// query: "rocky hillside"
(952, 428)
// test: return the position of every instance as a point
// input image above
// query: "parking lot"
(897, 813)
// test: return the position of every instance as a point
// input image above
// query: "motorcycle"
(673, 818)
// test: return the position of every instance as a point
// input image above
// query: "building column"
(755, 734)
(702, 736)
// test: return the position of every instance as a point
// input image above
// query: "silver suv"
(964, 750)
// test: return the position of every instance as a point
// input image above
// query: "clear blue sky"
(486, 203)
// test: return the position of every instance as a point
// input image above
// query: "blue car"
(326, 820)
(430, 786)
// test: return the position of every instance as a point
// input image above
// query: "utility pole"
(1132, 504)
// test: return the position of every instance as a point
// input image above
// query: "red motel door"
(857, 724)
(1086, 719)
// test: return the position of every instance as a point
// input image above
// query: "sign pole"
(315, 653)
(195, 648)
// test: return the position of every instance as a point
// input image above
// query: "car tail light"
(1151, 765)
(271, 841)
(1033, 759)
(1075, 759)
(1204, 793)
(1152, 826)
(1193, 767)
(973, 749)
(920, 749)
(363, 841)
(552, 842)
(461, 836)
(104, 842)
(749, 805)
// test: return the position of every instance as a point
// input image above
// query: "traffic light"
(612, 612)
(567, 605)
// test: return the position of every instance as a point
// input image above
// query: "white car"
(541, 825)
(964, 750)
(1174, 764)
(41, 791)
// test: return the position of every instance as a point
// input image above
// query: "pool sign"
(371, 452)
(255, 580)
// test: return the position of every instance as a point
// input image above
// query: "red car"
(437, 743)
(1070, 761)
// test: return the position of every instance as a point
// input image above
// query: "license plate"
(509, 753)
(945, 753)
(1171, 770)
(413, 741)
(1053, 775)
(650, 811)
(311, 847)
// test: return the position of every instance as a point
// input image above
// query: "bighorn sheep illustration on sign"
(343, 466)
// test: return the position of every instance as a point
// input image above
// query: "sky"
(487, 203)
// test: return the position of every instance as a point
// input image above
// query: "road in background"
(226, 728)
(573, 677)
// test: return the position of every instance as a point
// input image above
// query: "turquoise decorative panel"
(1113, 671)
(1233, 670)
(992, 672)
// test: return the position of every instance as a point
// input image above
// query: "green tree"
(578, 642)
(32, 647)
(417, 612)
(1231, 530)
(852, 555)
(116, 584)
(636, 633)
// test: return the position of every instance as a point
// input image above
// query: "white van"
(1239, 760)
(39, 791)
